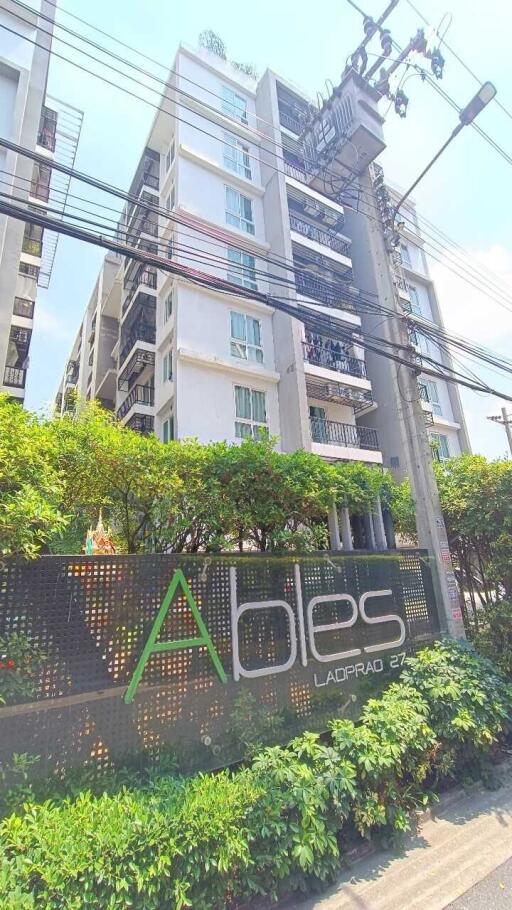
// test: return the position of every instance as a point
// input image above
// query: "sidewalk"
(465, 840)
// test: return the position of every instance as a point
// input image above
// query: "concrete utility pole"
(415, 445)
(506, 421)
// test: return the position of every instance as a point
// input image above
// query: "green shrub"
(178, 844)
(469, 703)
(306, 794)
(391, 749)
(493, 638)
(160, 841)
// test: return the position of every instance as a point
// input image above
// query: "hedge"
(282, 823)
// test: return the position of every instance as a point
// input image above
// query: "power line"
(296, 311)
(459, 59)
(168, 112)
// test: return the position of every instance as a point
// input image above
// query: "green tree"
(30, 485)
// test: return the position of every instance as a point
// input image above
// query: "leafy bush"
(20, 662)
(392, 749)
(166, 842)
(493, 638)
(469, 704)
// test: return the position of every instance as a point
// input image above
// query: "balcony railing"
(290, 122)
(330, 294)
(23, 307)
(15, 377)
(330, 432)
(320, 236)
(146, 275)
(294, 169)
(328, 357)
(140, 394)
(140, 332)
(141, 423)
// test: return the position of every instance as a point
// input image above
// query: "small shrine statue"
(100, 541)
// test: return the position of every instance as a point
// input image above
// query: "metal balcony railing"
(320, 236)
(326, 356)
(294, 169)
(146, 275)
(140, 394)
(15, 377)
(331, 294)
(290, 121)
(139, 332)
(23, 307)
(330, 432)
(141, 423)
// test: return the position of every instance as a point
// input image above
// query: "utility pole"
(415, 444)
(506, 421)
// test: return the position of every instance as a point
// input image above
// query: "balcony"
(324, 356)
(330, 432)
(139, 332)
(15, 377)
(40, 185)
(140, 394)
(141, 423)
(23, 307)
(294, 168)
(319, 236)
(290, 121)
(146, 276)
(330, 294)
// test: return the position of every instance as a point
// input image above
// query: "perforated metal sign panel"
(198, 655)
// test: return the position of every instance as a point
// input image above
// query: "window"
(415, 300)
(246, 337)
(168, 429)
(167, 366)
(32, 271)
(243, 268)
(236, 156)
(423, 343)
(433, 396)
(404, 250)
(233, 104)
(440, 447)
(239, 211)
(168, 306)
(250, 413)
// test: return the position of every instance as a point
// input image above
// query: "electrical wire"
(159, 93)
(460, 60)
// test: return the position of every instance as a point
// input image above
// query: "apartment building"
(440, 399)
(51, 128)
(236, 201)
(91, 371)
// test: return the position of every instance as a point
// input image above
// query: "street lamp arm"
(413, 186)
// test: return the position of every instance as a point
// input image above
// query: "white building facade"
(236, 203)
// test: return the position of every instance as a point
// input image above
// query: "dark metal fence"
(276, 644)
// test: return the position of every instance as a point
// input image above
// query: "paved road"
(465, 849)
(493, 893)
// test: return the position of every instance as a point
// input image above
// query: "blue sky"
(467, 195)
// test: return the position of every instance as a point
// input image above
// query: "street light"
(482, 98)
